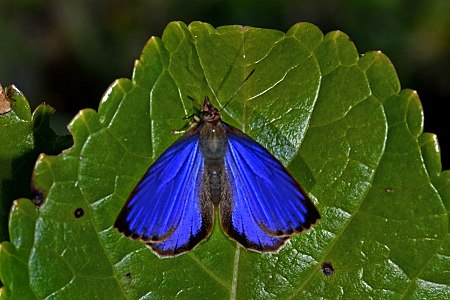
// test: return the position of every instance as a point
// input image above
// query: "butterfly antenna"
(238, 89)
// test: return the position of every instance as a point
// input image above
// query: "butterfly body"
(215, 166)
(213, 145)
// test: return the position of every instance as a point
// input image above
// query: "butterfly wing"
(266, 205)
(166, 208)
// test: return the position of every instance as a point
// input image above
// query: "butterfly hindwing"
(165, 209)
(266, 205)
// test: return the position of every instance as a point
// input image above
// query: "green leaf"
(22, 138)
(338, 121)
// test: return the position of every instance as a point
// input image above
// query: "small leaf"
(22, 138)
(338, 121)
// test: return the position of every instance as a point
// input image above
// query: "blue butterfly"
(214, 165)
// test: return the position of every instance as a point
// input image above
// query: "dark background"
(67, 53)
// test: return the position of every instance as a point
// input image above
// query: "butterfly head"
(209, 114)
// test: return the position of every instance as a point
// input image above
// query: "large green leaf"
(338, 121)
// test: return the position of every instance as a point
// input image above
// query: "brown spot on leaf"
(5, 104)
(390, 190)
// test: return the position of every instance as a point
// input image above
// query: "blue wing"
(266, 205)
(166, 208)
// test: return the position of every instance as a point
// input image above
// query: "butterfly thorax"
(213, 137)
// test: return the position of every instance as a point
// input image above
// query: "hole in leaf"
(327, 269)
(79, 212)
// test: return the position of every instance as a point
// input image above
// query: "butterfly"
(215, 166)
